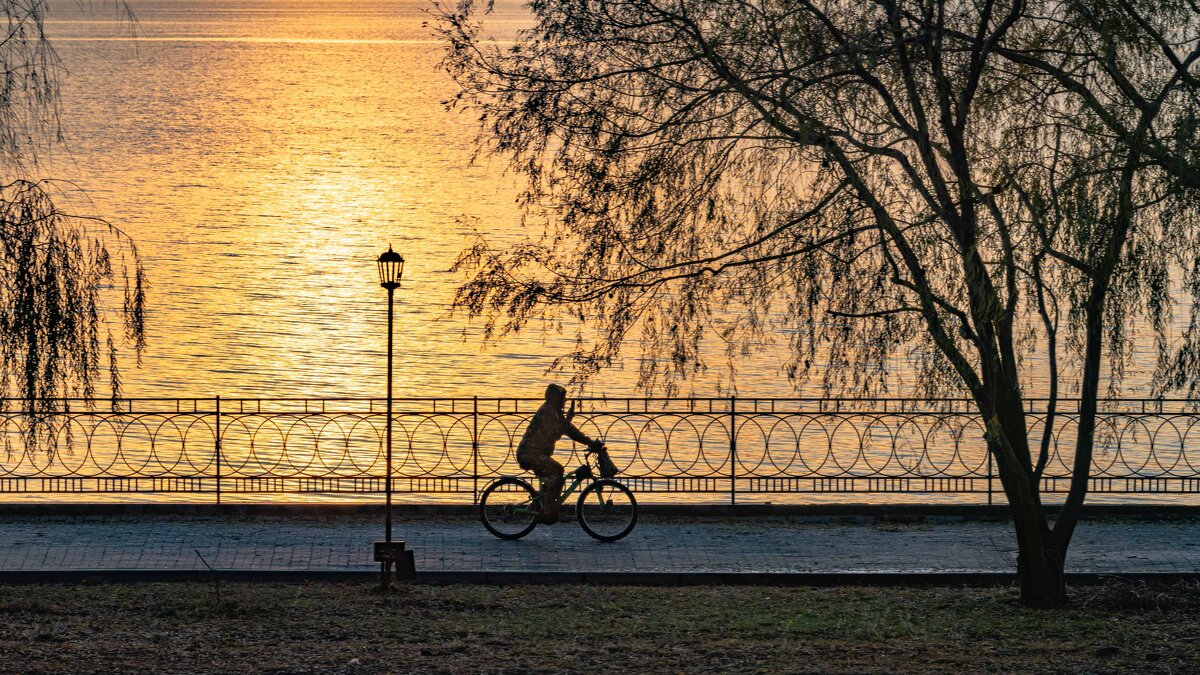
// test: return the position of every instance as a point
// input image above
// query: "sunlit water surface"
(263, 153)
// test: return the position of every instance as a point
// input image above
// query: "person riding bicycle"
(548, 425)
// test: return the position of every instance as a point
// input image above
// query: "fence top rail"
(105, 400)
(595, 405)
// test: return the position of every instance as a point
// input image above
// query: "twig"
(216, 579)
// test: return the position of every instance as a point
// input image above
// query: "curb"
(582, 578)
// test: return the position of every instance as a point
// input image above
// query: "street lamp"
(387, 552)
(391, 268)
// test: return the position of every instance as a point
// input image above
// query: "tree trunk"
(1039, 563)
(1040, 559)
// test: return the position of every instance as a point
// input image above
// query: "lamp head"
(391, 269)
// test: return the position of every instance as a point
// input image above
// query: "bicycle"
(606, 509)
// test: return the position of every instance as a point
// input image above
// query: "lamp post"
(391, 269)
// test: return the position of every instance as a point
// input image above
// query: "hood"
(556, 394)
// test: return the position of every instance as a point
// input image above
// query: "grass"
(332, 627)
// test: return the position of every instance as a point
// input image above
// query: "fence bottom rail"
(469, 485)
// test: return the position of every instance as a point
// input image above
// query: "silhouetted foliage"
(965, 183)
(63, 278)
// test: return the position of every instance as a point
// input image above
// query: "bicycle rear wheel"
(508, 507)
(606, 510)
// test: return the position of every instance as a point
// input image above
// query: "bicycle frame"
(568, 490)
(576, 481)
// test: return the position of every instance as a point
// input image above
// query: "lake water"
(263, 154)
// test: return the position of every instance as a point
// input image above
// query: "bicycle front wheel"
(607, 510)
(508, 507)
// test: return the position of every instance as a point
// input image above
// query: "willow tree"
(72, 287)
(966, 183)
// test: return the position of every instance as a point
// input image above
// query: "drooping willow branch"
(62, 278)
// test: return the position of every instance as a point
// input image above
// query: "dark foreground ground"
(351, 627)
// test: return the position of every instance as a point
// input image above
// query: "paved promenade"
(662, 549)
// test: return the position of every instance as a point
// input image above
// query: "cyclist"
(548, 425)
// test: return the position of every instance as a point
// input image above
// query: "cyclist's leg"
(551, 473)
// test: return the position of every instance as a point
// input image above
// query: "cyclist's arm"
(578, 436)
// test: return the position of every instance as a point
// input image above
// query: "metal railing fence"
(720, 446)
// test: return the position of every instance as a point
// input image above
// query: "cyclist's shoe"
(546, 518)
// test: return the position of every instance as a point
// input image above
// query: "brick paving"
(658, 545)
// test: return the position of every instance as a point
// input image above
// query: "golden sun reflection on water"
(263, 153)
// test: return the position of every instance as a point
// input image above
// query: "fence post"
(732, 450)
(218, 448)
(475, 449)
(989, 455)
